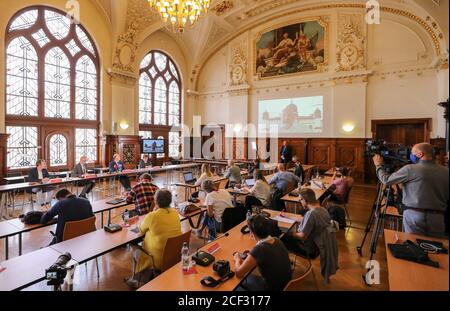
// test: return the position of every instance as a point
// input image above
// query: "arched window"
(52, 82)
(160, 99)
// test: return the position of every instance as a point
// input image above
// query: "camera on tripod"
(394, 155)
(57, 272)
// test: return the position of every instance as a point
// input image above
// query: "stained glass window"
(86, 89)
(86, 144)
(145, 134)
(44, 85)
(57, 84)
(58, 150)
(21, 78)
(174, 144)
(159, 91)
(22, 146)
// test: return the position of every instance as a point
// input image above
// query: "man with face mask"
(425, 191)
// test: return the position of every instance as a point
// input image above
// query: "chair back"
(297, 278)
(221, 184)
(233, 216)
(73, 229)
(172, 250)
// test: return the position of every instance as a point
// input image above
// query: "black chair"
(232, 217)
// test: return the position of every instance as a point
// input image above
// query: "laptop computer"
(189, 178)
(250, 182)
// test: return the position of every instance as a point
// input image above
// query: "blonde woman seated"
(260, 192)
(206, 174)
(158, 226)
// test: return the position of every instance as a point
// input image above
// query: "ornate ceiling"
(132, 19)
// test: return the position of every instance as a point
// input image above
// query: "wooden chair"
(171, 253)
(73, 229)
(221, 184)
(298, 276)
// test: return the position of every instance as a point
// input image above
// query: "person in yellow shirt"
(158, 226)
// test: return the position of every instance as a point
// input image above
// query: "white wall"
(402, 79)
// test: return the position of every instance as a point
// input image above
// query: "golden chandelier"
(180, 12)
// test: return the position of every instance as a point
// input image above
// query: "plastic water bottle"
(185, 256)
(175, 201)
(126, 218)
(249, 214)
(299, 186)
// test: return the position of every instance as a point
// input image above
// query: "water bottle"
(299, 186)
(175, 201)
(185, 256)
(249, 214)
(67, 175)
(126, 217)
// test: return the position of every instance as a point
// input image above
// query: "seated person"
(80, 170)
(40, 174)
(145, 161)
(343, 183)
(117, 166)
(206, 174)
(216, 201)
(158, 226)
(233, 173)
(269, 255)
(254, 166)
(283, 179)
(260, 192)
(143, 194)
(313, 223)
(68, 208)
(298, 169)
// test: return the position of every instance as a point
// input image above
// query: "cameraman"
(425, 191)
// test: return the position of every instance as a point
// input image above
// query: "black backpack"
(31, 218)
(337, 214)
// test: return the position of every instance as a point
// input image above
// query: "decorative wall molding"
(222, 7)
(240, 90)
(123, 77)
(215, 34)
(351, 44)
(238, 66)
(139, 16)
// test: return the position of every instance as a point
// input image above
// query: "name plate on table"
(55, 180)
(90, 176)
(126, 171)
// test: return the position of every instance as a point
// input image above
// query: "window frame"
(40, 121)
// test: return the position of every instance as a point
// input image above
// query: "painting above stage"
(291, 49)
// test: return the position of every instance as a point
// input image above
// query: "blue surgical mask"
(414, 159)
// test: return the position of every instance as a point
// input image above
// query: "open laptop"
(189, 178)
(250, 182)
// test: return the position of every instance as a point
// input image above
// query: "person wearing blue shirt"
(283, 179)
(117, 166)
(286, 153)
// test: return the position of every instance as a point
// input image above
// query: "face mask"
(414, 159)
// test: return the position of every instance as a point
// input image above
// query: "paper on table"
(2, 269)
(284, 219)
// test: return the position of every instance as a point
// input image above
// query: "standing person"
(425, 191)
(233, 173)
(40, 174)
(286, 153)
(145, 161)
(143, 194)
(80, 170)
(68, 208)
(117, 166)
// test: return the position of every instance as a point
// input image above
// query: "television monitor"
(153, 146)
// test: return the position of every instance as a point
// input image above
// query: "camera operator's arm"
(242, 267)
(51, 213)
(401, 176)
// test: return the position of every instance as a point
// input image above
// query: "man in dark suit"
(117, 166)
(40, 174)
(286, 153)
(145, 161)
(80, 170)
(68, 208)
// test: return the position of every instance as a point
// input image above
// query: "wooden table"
(410, 276)
(174, 280)
(28, 269)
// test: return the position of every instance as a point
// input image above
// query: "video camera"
(57, 272)
(393, 154)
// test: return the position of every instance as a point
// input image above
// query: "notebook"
(189, 178)
(116, 201)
